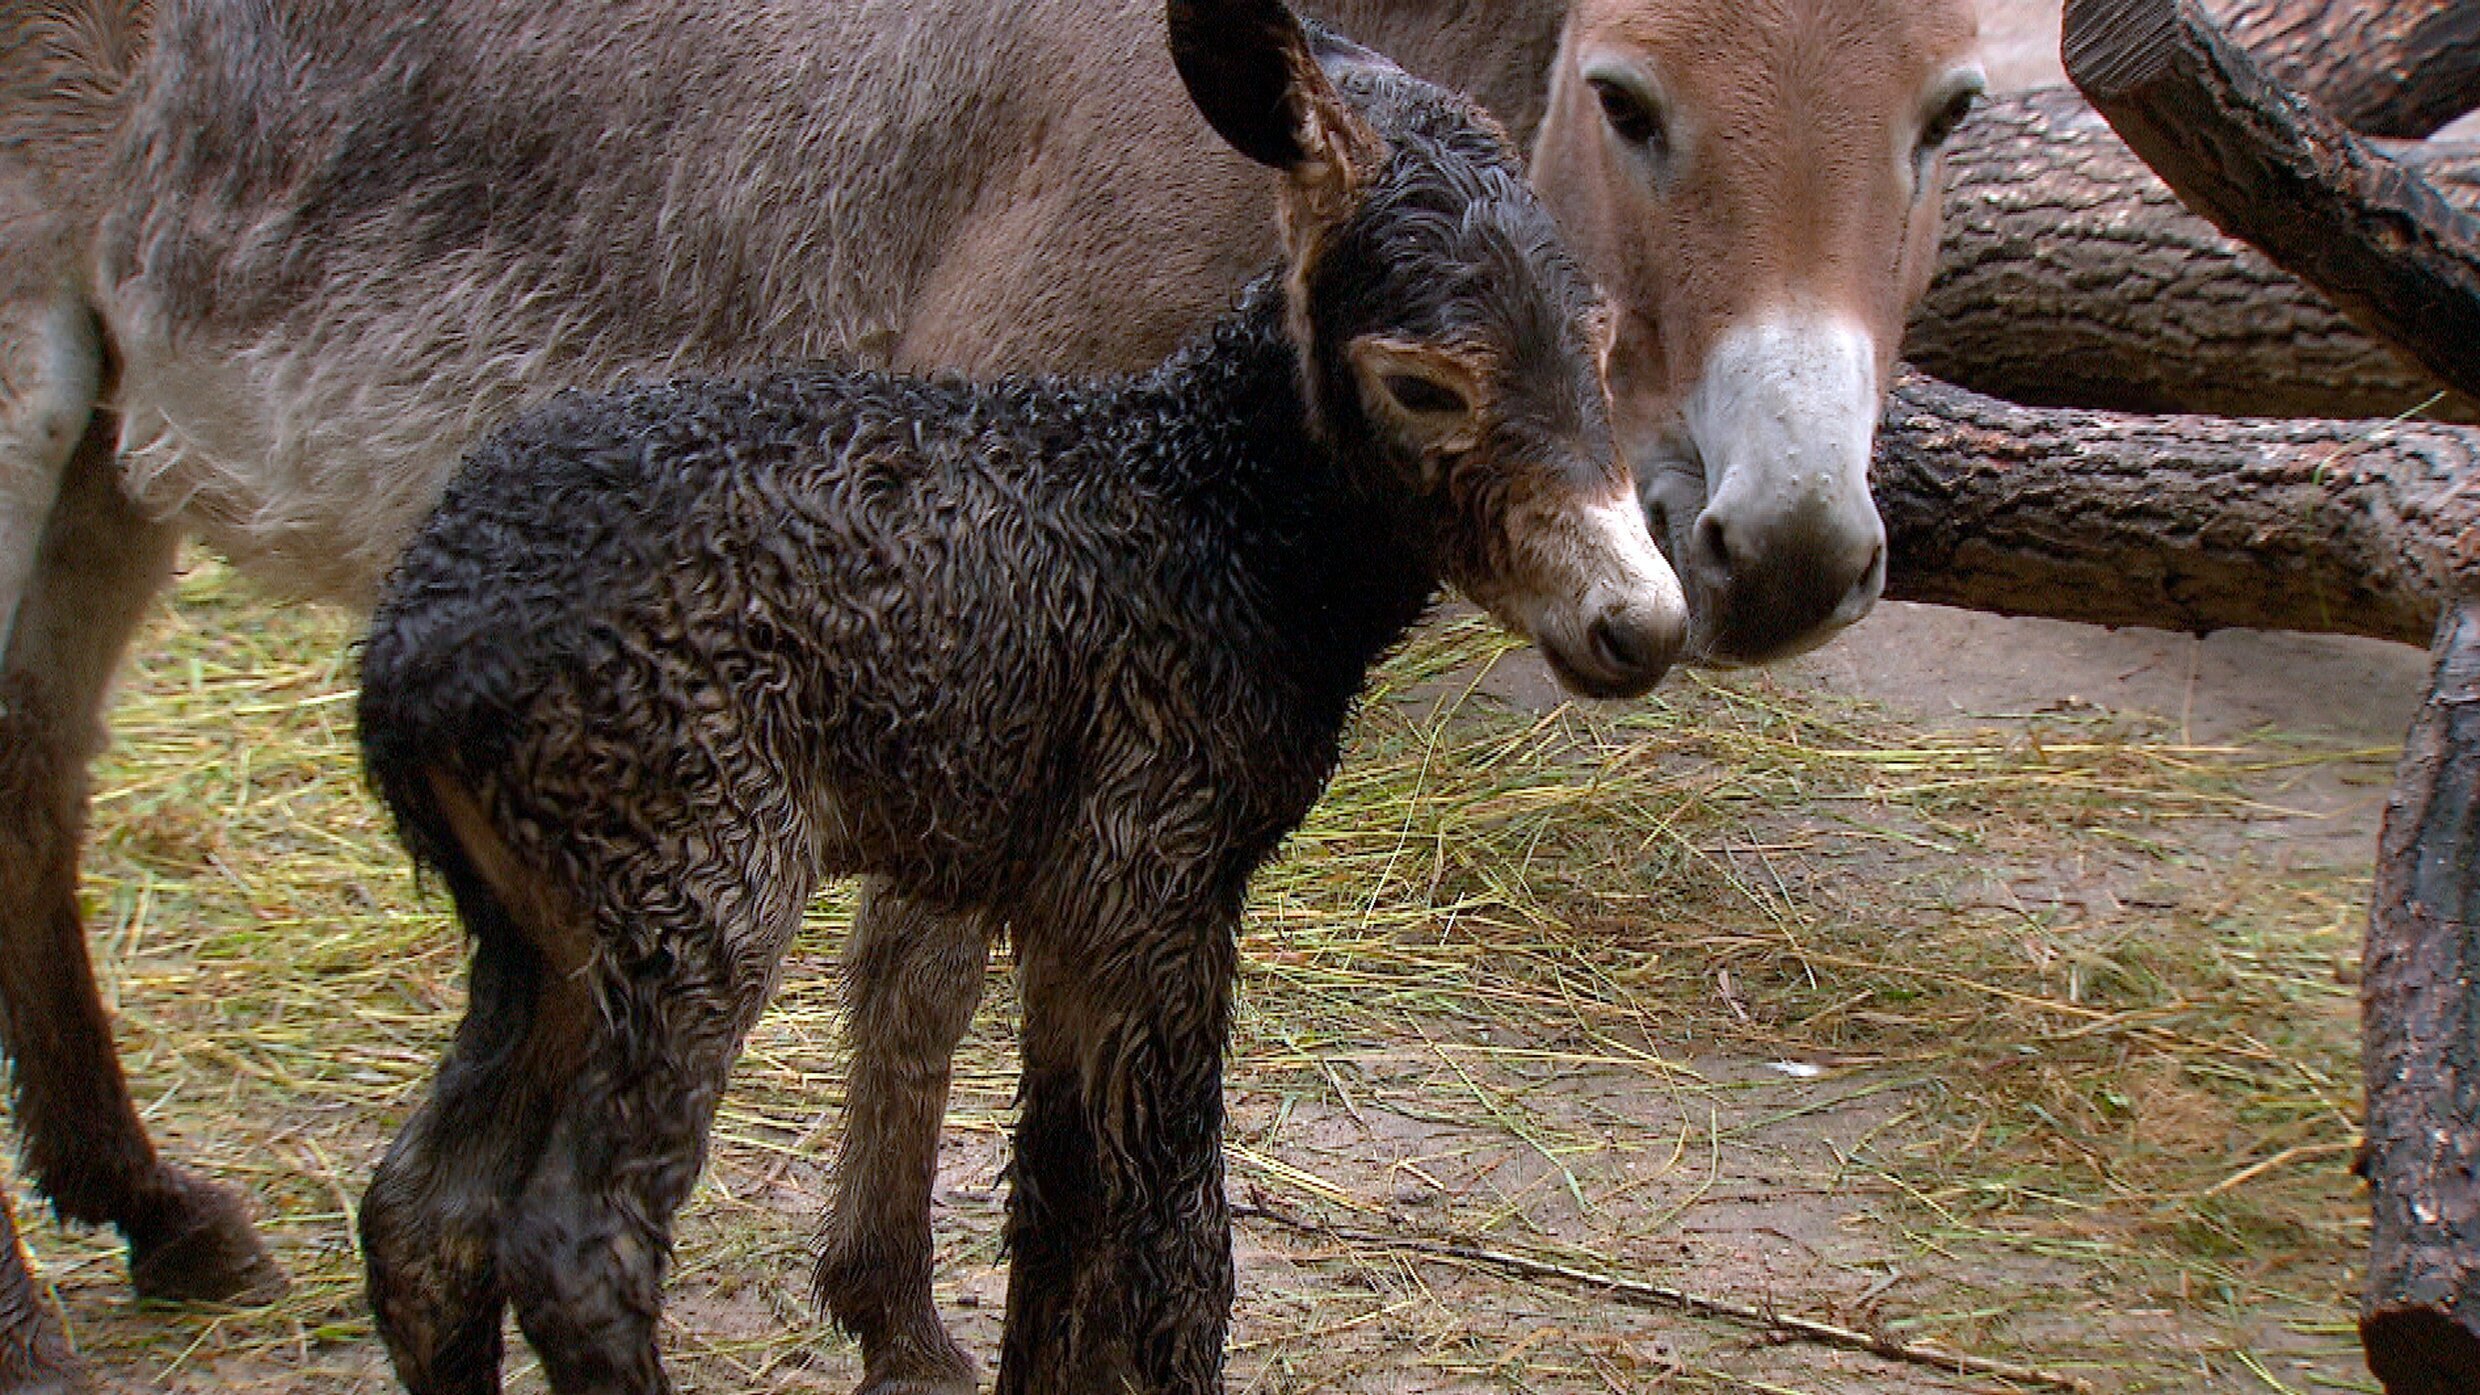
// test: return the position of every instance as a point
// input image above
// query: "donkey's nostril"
(1870, 584)
(1610, 648)
(1713, 545)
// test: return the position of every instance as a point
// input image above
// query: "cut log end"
(2420, 1351)
(2116, 46)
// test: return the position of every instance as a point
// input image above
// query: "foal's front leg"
(912, 977)
(1119, 1230)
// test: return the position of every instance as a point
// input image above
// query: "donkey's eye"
(1940, 127)
(1422, 397)
(1629, 117)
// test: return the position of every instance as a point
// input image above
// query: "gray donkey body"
(1070, 657)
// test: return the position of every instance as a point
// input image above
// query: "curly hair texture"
(1065, 659)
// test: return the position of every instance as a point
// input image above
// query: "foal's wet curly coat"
(1066, 657)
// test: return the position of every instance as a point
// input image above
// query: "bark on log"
(2377, 239)
(2179, 523)
(2420, 1319)
(2403, 68)
(2071, 276)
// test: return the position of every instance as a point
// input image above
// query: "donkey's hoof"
(203, 1249)
(34, 1354)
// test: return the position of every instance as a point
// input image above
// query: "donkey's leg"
(51, 373)
(34, 1352)
(1121, 1234)
(99, 564)
(51, 367)
(430, 1221)
(912, 977)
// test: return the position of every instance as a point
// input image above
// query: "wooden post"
(2420, 1316)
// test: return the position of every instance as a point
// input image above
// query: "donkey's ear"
(1248, 67)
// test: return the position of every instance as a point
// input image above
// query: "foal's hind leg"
(1120, 1234)
(912, 977)
(98, 565)
(431, 1220)
(586, 1244)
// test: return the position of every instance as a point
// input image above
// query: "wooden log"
(2374, 237)
(2178, 523)
(2401, 68)
(2070, 275)
(2389, 250)
(2420, 1318)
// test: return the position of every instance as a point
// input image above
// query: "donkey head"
(1443, 329)
(1756, 183)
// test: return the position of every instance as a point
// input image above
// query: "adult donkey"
(268, 266)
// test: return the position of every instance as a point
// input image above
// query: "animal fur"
(1069, 655)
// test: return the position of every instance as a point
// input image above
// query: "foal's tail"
(409, 756)
(418, 731)
(401, 747)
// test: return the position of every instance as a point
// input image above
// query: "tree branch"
(2070, 275)
(2374, 237)
(2178, 523)
(2402, 68)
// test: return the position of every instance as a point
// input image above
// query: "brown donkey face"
(1756, 184)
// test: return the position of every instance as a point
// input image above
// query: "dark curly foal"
(1067, 657)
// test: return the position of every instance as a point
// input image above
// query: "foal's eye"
(1630, 118)
(1422, 397)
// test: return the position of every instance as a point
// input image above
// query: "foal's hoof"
(914, 1367)
(67, 1379)
(918, 1385)
(200, 1247)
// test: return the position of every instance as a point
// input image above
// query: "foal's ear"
(1249, 68)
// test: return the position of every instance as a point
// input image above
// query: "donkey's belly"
(310, 480)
